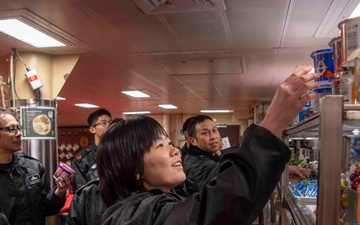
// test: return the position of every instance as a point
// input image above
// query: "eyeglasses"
(102, 123)
(12, 129)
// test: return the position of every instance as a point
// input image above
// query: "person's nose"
(212, 135)
(18, 133)
(175, 151)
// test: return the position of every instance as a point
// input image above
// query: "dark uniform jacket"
(247, 176)
(3, 219)
(25, 195)
(82, 163)
(200, 167)
(86, 206)
(184, 150)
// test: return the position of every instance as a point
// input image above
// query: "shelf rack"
(334, 121)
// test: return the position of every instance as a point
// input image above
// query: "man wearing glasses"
(25, 194)
(84, 162)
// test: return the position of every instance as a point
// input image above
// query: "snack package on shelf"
(305, 188)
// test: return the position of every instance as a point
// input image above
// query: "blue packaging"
(324, 64)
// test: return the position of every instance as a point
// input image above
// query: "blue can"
(324, 64)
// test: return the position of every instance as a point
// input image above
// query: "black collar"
(195, 151)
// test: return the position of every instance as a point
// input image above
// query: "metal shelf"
(334, 121)
(299, 212)
(310, 127)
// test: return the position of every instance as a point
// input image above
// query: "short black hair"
(186, 123)
(93, 117)
(194, 121)
(120, 156)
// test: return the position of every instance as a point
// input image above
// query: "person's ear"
(92, 130)
(138, 177)
(193, 141)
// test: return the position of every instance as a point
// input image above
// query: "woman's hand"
(298, 173)
(289, 99)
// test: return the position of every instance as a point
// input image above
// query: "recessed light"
(23, 32)
(136, 94)
(139, 112)
(216, 111)
(60, 98)
(167, 106)
(87, 105)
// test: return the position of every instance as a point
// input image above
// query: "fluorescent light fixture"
(28, 34)
(60, 98)
(136, 94)
(338, 11)
(304, 138)
(139, 112)
(356, 12)
(87, 105)
(167, 106)
(216, 111)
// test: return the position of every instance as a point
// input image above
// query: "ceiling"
(194, 54)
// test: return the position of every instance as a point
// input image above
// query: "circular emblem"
(84, 141)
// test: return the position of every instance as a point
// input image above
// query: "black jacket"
(247, 176)
(3, 219)
(86, 206)
(200, 168)
(25, 195)
(82, 163)
(184, 151)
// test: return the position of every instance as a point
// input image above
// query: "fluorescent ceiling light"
(139, 112)
(338, 11)
(216, 111)
(136, 94)
(60, 98)
(87, 105)
(356, 12)
(28, 34)
(167, 106)
(302, 138)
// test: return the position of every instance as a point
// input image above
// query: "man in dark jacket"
(25, 195)
(87, 206)
(201, 163)
(98, 122)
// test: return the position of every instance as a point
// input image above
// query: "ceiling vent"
(191, 67)
(154, 7)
